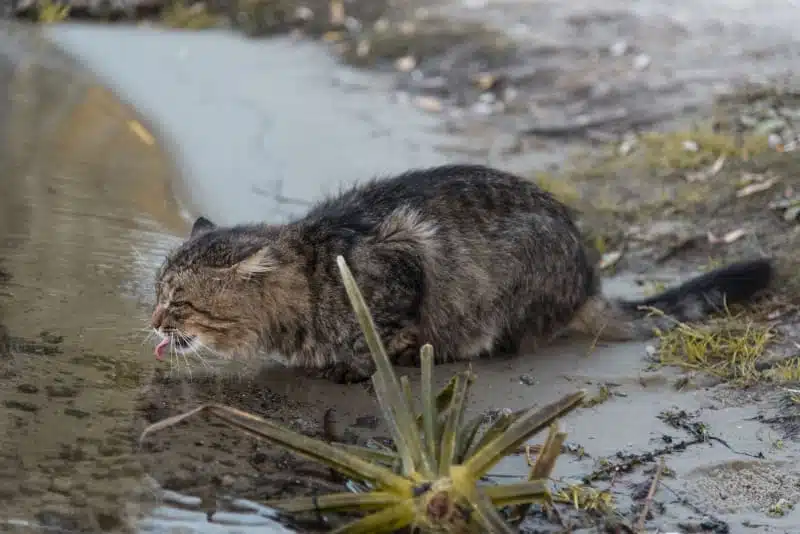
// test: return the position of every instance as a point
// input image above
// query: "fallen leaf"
(429, 103)
(728, 238)
(610, 259)
(141, 132)
(755, 188)
(734, 235)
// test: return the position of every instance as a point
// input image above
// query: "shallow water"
(84, 213)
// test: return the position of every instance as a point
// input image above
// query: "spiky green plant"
(432, 480)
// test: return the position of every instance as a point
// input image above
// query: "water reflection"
(85, 211)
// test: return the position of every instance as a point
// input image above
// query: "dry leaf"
(610, 259)
(429, 103)
(755, 188)
(337, 12)
(728, 238)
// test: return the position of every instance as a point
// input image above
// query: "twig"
(648, 502)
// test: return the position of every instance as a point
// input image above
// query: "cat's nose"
(158, 317)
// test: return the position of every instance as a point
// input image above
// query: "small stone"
(619, 48)
(49, 337)
(367, 421)
(405, 63)
(641, 62)
(527, 380)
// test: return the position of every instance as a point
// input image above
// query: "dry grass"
(731, 347)
(698, 148)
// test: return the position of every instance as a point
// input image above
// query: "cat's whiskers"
(196, 347)
(186, 342)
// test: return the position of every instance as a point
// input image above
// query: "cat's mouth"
(180, 344)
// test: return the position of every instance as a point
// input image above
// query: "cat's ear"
(201, 225)
(260, 262)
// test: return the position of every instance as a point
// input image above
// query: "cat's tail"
(699, 297)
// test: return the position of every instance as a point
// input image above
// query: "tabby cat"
(465, 257)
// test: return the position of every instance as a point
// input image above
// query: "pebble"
(641, 62)
(405, 63)
(367, 421)
(527, 380)
(620, 48)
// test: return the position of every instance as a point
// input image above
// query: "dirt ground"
(716, 183)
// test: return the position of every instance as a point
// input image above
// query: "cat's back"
(454, 193)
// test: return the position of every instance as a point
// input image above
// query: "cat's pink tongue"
(160, 348)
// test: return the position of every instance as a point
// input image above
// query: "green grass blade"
(526, 492)
(527, 425)
(348, 464)
(408, 435)
(429, 411)
(337, 502)
(486, 514)
(383, 522)
(450, 433)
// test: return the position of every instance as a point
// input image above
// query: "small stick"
(648, 502)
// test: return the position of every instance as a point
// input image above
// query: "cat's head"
(220, 289)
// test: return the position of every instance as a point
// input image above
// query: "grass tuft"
(694, 149)
(729, 347)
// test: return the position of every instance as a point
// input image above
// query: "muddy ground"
(662, 209)
(656, 208)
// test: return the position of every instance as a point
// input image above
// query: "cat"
(465, 257)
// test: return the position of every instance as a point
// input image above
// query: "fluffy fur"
(467, 258)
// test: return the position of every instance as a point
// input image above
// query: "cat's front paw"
(344, 373)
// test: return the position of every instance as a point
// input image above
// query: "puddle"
(84, 211)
